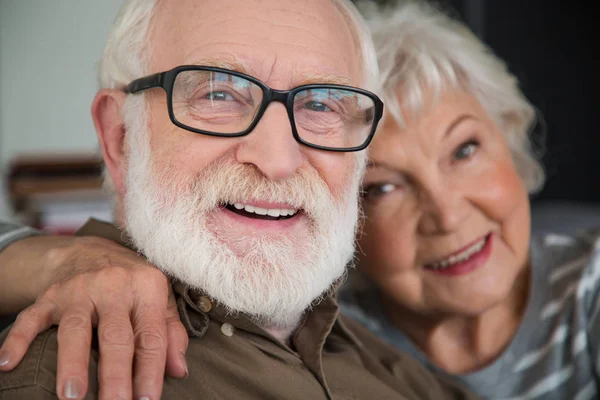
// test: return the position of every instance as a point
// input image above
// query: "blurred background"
(48, 149)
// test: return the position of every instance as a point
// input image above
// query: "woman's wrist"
(28, 267)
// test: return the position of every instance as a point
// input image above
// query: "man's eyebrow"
(326, 79)
(231, 63)
(236, 64)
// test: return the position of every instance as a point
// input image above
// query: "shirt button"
(204, 304)
(227, 329)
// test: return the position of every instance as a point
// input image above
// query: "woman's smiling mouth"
(464, 260)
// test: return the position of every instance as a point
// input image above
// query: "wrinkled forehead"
(281, 42)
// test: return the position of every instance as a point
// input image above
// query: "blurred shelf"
(58, 193)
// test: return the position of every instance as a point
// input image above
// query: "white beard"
(273, 279)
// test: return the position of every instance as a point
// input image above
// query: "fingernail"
(4, 358)
(185, 365)
(143, 398)
(72, 388)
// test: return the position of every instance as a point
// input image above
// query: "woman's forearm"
(27, 267)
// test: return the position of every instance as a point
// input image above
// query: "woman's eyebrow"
(460, 119)
(381, 164)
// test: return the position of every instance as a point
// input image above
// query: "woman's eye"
(466, 150)
(218, 96)
(378, 189)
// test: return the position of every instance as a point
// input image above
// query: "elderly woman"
(452, 275)
(447, 269)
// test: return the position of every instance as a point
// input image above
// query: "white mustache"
(226, 182)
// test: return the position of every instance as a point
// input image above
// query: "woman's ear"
(110, 128)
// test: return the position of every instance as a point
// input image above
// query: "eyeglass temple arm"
(147, 82)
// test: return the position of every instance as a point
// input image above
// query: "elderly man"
(231, 132)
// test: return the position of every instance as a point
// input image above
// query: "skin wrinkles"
(300, 28)
(268, 34)
(322, 61)
(314, 16)
(272, 71)
(234, 63)
(435, 204)
(374, 164)
(262, 69)
(270, 149)
(226, 61)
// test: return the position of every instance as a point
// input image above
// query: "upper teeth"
(271, 212)
(462, 256)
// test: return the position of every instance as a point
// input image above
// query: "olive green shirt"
(230, 357)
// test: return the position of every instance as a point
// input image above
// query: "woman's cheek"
(385, 245)
(501, 191)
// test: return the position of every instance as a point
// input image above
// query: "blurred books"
(58, 193)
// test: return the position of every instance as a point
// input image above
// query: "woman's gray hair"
(419, 46)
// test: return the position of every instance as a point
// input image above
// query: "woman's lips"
(460, 266)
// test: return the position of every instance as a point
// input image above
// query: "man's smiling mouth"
(271, 214)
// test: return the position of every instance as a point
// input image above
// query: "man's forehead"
(249, 65)
(259, 37)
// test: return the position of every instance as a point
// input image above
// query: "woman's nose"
(443, 211)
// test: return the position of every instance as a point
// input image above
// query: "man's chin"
(244, 235)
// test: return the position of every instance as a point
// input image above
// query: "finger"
(177, 342)
(150, 332)
(74, 342)
(30, 322)
(115, 337)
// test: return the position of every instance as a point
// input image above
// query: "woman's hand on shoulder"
(98, 283)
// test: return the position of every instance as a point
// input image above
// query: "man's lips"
(262, 216)
(262, 210)
(255, 212)
(255, 223)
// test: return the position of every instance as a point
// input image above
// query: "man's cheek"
(338, 170)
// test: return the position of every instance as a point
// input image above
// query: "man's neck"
(283, 335)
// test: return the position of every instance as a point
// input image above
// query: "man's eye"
(219, 96)
(466, 150)
(378, 189)
(316, 106)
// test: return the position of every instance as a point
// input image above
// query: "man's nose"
(271, 146)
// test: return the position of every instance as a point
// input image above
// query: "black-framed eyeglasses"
(219, 102)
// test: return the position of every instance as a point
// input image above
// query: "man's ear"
(110, 127)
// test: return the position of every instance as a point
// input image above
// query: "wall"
(550, 46)
(48, 53)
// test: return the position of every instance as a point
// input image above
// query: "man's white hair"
(127, 51)
(419, 47)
